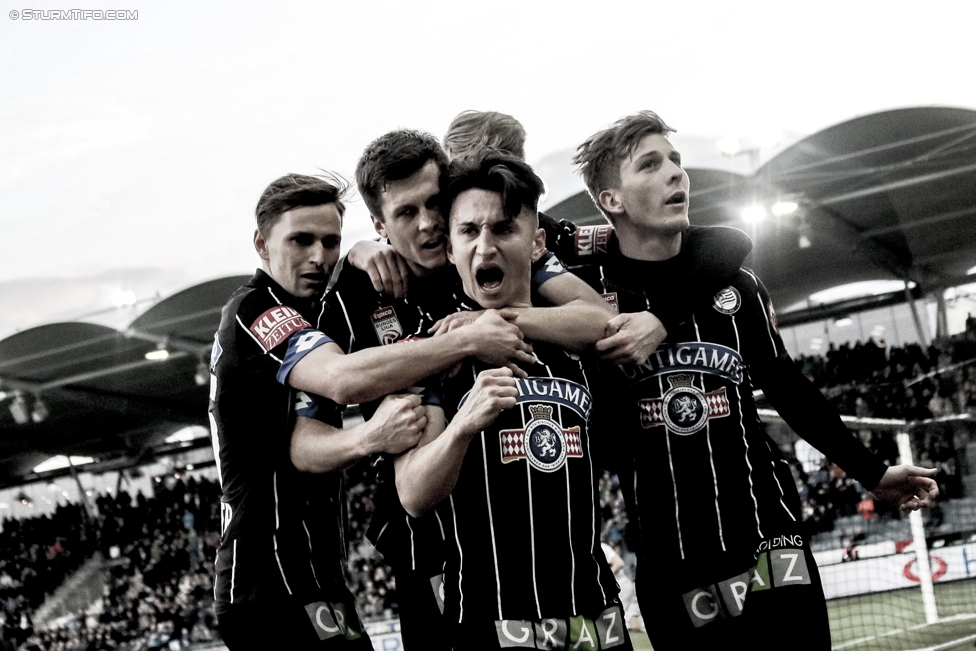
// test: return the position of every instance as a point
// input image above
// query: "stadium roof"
(885, 196)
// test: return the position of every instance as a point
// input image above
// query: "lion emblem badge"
(685, 407)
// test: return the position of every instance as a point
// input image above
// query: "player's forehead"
(320, 220)
(652, 144)
(418, 189)
(481, 207)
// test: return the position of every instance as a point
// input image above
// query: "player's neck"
(651, 246)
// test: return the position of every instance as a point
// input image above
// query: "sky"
(132, 152)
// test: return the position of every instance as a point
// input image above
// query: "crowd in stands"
(920, 385)
(159, 553)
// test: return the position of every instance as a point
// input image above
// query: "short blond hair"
(472, 131)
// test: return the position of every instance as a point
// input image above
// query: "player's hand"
(910, 488)
(399, 422)
(497, 341)
(631, 337)
(452, 321)
(493, 392)
(386, 268)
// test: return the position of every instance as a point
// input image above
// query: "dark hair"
(297, 190)
(471, 131)
(599, 158)
(394, 157)
(505, 175)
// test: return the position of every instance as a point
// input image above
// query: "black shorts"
(290, 624)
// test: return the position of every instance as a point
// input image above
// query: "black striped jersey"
(705, 482)
(281, 530)
(523, 520)
(355, 317)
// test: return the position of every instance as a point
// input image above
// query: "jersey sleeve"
(300, 344)
(797, 400)
(546, 268)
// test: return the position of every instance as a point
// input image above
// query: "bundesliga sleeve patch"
(592, 240)
(276, 325)
(305, 342)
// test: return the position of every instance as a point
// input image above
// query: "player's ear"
(610, 201)
(261, 245)
(379, 226)
(539, 245)
(450, 252)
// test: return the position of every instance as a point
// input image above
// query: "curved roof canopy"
(99, 394)
(884, 196)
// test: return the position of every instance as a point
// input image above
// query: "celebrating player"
(506, 462)
(399, 177)
(278, 578)
(721, 555)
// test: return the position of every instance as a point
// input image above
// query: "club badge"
(727, 301)
(387, 325)
(543, 442)
(684, 409)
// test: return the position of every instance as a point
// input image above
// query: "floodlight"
(783, 208)
(18, 409)
(753, 214)
(40, 412)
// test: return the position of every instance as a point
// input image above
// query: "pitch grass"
(895, 621)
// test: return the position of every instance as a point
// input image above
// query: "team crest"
(543, 442)
(684, 409)
(727, 301)
(387, 325)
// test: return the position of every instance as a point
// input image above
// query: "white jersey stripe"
(711, 453)
(345, 314)
(528, 485)
(674, 483)
(457, 541)
(711, 461)
(233, 569)
(413, 548)
(311, 554)
(216, 560)
(491, 526)
(781, 493)
(752, 492)
(274, 538)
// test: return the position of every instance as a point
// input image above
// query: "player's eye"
(331, 242)
(303, 239)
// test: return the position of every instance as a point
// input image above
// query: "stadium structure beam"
(896, 185)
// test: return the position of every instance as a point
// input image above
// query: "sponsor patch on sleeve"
(592, 240)
(276, 325)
